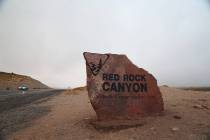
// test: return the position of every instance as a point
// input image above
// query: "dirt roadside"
(186, 117)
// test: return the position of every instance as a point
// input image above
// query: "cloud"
(46, 38)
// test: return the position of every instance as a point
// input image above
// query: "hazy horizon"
(45, 39)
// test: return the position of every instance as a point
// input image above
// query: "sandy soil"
(186, 117)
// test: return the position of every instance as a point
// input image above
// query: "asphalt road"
(15, 99)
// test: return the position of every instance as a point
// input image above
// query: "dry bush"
(75, 90)
(79, 88)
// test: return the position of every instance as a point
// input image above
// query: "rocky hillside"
(11, 81)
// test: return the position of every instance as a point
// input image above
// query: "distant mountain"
(11, 81)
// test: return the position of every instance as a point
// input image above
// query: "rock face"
(119, 90)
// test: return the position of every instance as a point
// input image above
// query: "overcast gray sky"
(46, 38)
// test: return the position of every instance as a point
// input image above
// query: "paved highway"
(14, 99)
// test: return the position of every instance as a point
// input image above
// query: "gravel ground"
(186, 117)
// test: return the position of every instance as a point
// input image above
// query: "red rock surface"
(119, 90)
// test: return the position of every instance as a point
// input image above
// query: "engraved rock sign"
(119, 90)
(96, 62)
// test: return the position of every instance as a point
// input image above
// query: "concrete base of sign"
(117, 124)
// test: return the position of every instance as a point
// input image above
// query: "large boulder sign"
(119, 90)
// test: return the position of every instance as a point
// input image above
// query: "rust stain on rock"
(119, 90)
